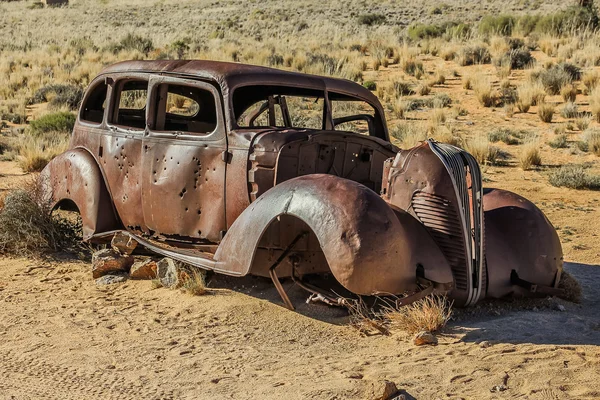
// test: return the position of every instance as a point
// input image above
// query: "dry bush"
(590, 80)
(509, 110)
(545, 112)
(569, 110)
(400, 107)
(591, 139)
(529, 94)
(467, 82)
(28, 228)
(568, 93)
(574, 177)
(571, 287)
(582, 123)
(438, 116)
(530, 155)
(35, 152)
(409, 134)
(595, 103)
(194, 283)
(484, 91)
(482, 150)
(423, 89)
(429, 314)
(559, 142)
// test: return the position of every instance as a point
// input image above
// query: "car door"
(184, 154)
(120, 146)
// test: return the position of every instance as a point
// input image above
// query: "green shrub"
(55, 122)
(371, 19)
(370, 85)
(574, 177)
(59, 95)
(497, 25)
(569, 21)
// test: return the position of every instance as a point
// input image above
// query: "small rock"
(388, 391)
(108, 261)
(423, 338)
(123, 243)
(485, 344)
(498, 388)
(560, 307)
(146, 269)
(169, 274)
(354, 375)
(111, 279)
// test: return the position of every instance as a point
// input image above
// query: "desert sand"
(63, 337)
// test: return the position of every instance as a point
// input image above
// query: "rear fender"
(370, 248)
(518, 237)
(74, 178)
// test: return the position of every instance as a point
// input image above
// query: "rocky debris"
(386, 390)
(353, 375)
(123, 243)
(111, 279)
(170, 274)
(108, 261)
(485, 344)
(143, 269)
(424, 337)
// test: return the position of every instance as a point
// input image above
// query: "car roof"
(231, 75)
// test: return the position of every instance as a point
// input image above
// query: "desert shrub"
(424, 31)
(371, 19)
(409, 134)
(569, 21)
(370, 85)
(559, 142)
(54, 122)
(484, 91)
(526, 24)
(595, 103)
(506, 135)
(132, 42)
(582, 123)
(473, 54)
(496, 25)
(59, 95)
(35, 152)
(481, 149)
(530, 155)
(423, 89)
(569, 110)
(27, 227)
(591, 138)
(401, 88)
(411, 66)
(569, 93)
(574, 177)
(439, 100)
(429, 314)
(194, 283)
(554, 78)
(570, 286)
(545, 112)
(516, 59)
(13, 117)
(590, 80)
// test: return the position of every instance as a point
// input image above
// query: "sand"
(63, 337)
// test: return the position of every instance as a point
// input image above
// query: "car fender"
(370, 247)
(75, 176)
(518, 237)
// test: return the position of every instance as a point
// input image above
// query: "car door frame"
(194, 158)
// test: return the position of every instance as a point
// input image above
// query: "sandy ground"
(63, 337)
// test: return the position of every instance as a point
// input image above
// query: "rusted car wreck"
(249, 170)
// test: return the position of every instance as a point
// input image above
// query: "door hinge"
(226, 156)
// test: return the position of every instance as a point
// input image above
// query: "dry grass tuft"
(568, 93)
(530, 155)
(195, 283)
(571, 287)
(591, 139)
(595, 103)
(482, 150)
(484, 91)
(545, 112)
(429, 314)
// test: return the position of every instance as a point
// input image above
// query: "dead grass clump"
(545, 112)
(582, 123)
(482, 150)
(568, 93)
(473, 55)
(530, 156)
(484, 91)
(195, 283)
(409, 134)
(35, 152)
(429, 314)
(591, 138)
(569, 110)
(590, 80)
(595, 103)
(423, 89)
(438, 116)
(28, 228)
(559, 142)
(571, 287)
(401, 88)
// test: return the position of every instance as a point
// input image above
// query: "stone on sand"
(143, 269)
(423, 338)
(108, 261)
(123, 243)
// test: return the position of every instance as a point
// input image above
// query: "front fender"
(369, 247)
(519, 237)
(75, 176)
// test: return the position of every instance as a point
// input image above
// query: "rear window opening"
(130, 110)
(93, 108)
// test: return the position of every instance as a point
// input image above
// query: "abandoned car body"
(250, 170)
